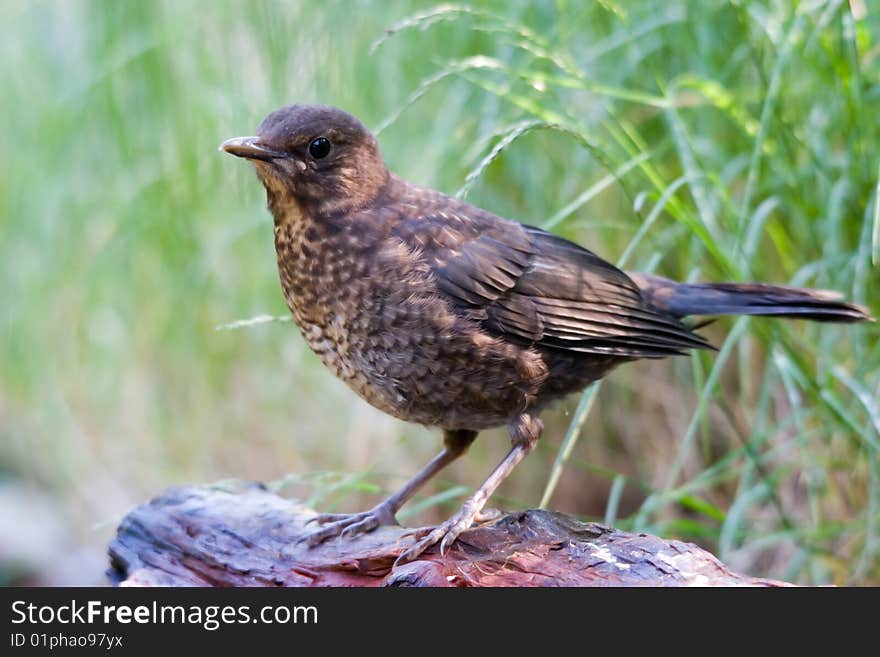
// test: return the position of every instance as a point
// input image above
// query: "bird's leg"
(455, 443)
(525, 429)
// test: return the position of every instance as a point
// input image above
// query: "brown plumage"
(438, 312)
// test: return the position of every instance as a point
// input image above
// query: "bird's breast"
(345, 305)
(318, 279)
(374, 316)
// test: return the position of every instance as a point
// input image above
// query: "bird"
(441, 313)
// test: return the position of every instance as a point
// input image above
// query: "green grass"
(703, 140)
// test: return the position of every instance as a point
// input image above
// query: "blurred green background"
(700, 139)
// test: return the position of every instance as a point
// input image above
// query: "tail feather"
(681, 299)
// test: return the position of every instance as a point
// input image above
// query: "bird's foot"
(348, 525)
(487, 515)
(446, 533)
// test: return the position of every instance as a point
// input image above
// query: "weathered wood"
(244, 535)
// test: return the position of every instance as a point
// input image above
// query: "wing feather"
(528, 284)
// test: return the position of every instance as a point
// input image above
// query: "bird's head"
(319, 157)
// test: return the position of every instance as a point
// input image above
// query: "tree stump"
(243, 535)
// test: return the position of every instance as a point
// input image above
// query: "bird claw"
(348, 525)
(487, 515)
(364, 526)
(445, 534)
(417, 532)
(324, 518)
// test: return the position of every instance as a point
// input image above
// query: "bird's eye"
(319, 147)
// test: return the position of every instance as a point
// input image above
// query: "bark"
(244, 535)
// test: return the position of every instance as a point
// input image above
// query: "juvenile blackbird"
(441, 313)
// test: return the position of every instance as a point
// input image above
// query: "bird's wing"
(528, 284)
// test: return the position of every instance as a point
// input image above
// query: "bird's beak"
(250, 148)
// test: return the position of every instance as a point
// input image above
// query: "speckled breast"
(373, 316)
(329, 298)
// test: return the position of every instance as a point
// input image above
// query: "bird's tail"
(682, 299)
